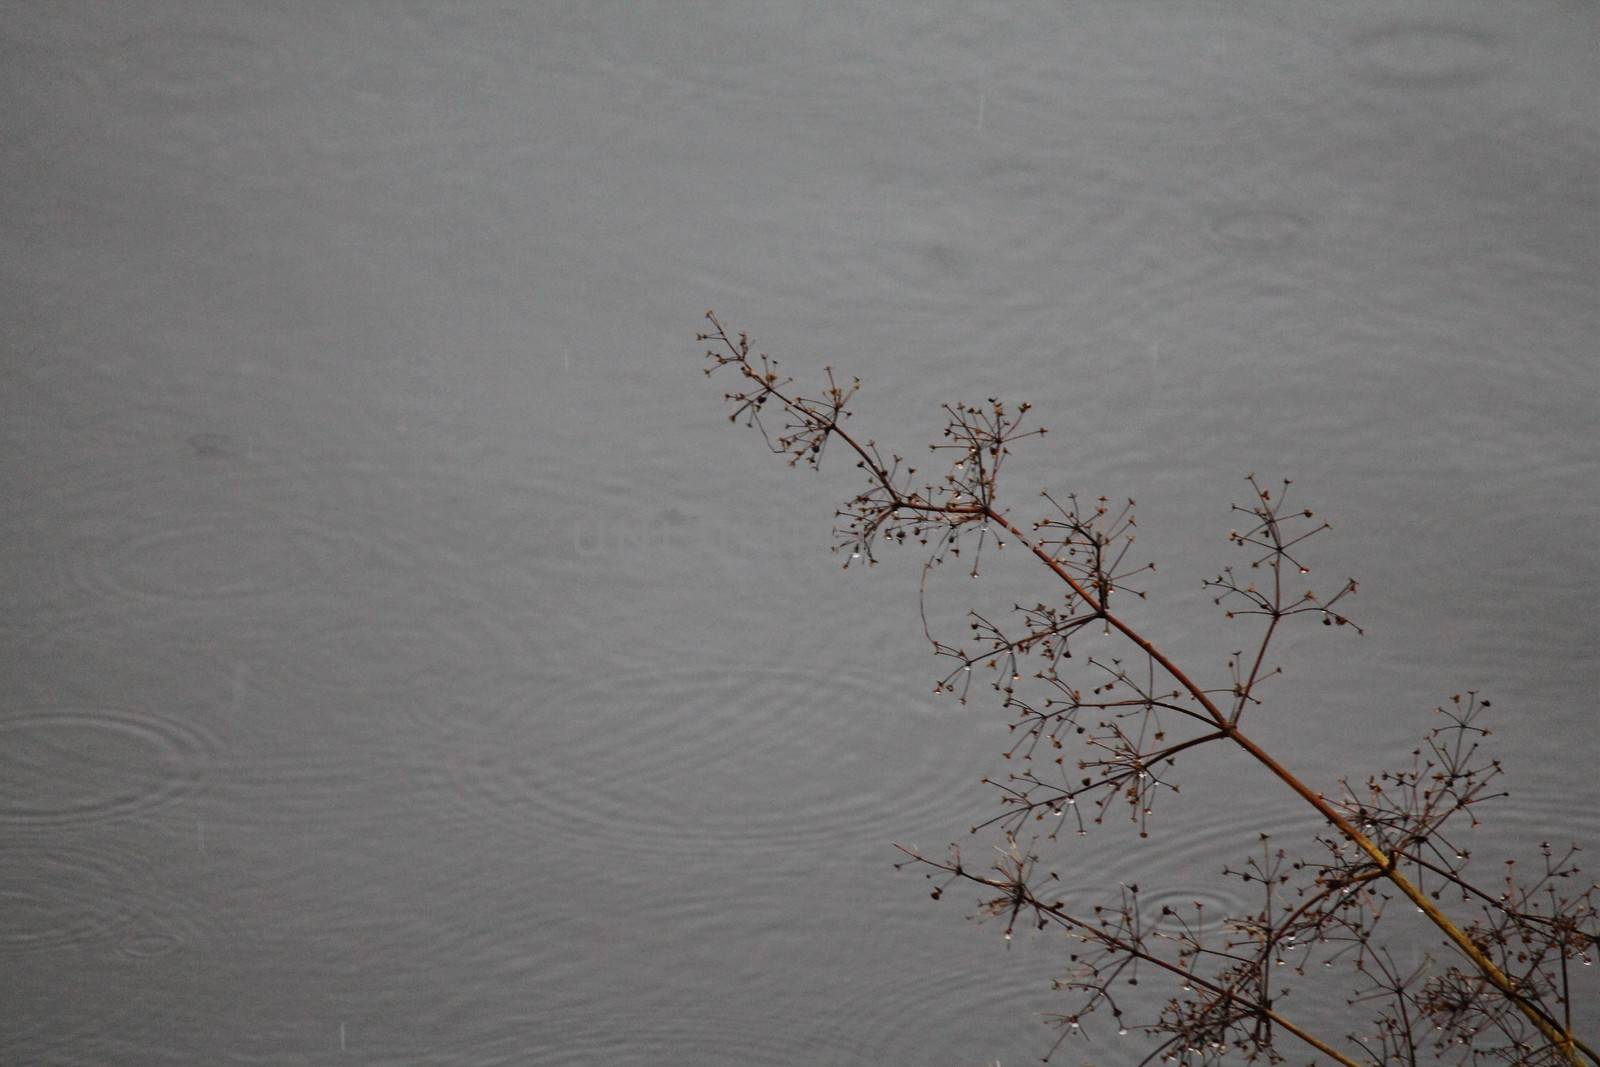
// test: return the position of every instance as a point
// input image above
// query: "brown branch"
(972, 499)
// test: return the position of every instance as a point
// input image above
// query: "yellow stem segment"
(1558, 1037)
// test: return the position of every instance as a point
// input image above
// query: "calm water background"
(404, 662)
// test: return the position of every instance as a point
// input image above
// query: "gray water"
(404, 660)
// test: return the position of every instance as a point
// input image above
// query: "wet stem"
(805, 440)
(1387, 864)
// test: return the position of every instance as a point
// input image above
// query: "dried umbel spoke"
(1126, 753)
(1093, 544)
(1098, 729)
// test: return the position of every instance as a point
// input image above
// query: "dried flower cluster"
(1094, 735)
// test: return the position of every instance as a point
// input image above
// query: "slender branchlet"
(1096, 734)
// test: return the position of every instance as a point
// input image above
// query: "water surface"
(405, 661)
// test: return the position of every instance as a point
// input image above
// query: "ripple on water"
(223, 552)
(190, 68)
(1258, 228)
(296, 789)
(211, 521)
(947, 1008)
(149, 944)
(432, 655)
(57, 893)
(212, 445)
(1425, 54)
(658, 760)
(706, 1034)
(69, 765)
(1216, 903)
(166, 922)
(1512, 827)
(1182, 862)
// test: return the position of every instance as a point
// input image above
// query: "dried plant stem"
(1550, 1028)
(1087, 562)
(1053, 913)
